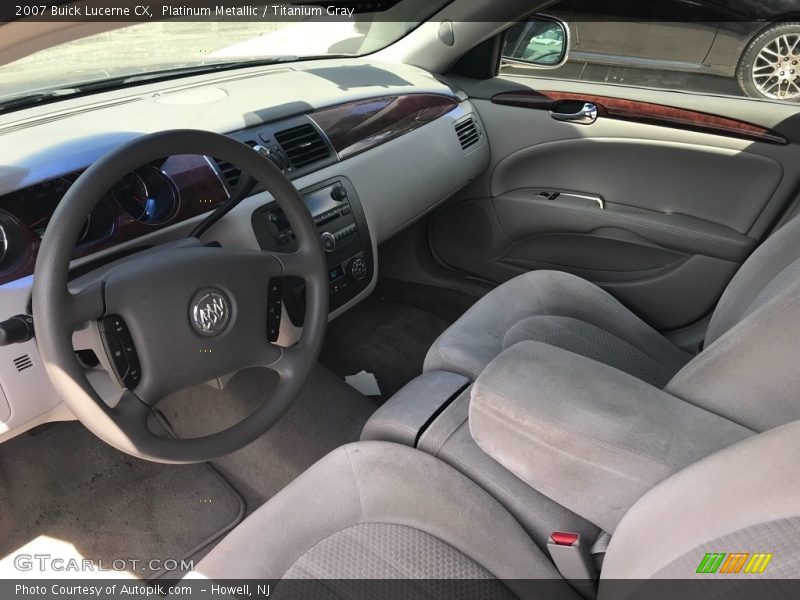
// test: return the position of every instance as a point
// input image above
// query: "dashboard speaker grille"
(303, 145)
(23, 362)
(468, 133)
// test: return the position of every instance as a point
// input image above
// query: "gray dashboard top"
(49, 141)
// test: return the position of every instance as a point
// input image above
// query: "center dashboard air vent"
(291, 149)
(303, 145)
(468, 133)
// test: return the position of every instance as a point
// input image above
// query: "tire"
(761, 74)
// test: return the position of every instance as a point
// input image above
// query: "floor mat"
(66, 488)
(389, 333)
(327, 414)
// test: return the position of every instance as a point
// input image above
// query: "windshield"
(138, 51)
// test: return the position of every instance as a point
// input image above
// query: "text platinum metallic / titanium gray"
(210, 312)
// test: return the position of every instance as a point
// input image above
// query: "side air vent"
(23, 362)
(231, 173)
(468, 134)
(303, 145)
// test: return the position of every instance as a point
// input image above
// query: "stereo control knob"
(328, 241)
(339, 193)
(358, 268)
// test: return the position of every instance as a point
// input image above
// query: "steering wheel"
(193, 312)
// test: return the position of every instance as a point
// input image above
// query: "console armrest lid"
(406, 414)
(588, 436)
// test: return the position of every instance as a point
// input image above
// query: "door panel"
(522, 214)
(641, 112)
(659, 213)
(665, 179)
(500, 239)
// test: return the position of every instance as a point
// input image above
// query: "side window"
(736, 48)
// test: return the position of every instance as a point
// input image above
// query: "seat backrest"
(773, 267)
(748, 371)
(743, 502)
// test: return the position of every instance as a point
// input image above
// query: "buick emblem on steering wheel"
(210, 312)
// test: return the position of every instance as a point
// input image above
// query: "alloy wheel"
(776, 69)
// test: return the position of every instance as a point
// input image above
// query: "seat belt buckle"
(573, 560)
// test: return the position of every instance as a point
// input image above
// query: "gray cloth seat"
(561, 310)
(746, 372)
(378, 510)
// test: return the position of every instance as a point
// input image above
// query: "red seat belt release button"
(572, 559)
(562, 538)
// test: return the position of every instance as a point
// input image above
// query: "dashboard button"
(328, 241)
(358, 269)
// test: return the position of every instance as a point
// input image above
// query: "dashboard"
(372, 147)
(178, 188)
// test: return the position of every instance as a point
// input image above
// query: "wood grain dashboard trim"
(358, 126)
(645, 112)
(199, 189)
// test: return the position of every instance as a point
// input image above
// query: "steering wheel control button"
(358, 269)
(210, 312)
(328, 241)
(274, 309)
(119, 346)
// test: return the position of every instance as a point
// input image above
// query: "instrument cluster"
(148, 198)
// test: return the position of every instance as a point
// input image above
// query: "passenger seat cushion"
(586, 435)
(559, 309)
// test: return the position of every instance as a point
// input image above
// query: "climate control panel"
(344, 237)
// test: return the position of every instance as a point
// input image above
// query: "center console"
(431, 413)
(343, 231)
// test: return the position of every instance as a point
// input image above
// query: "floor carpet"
(389, 333)
(327, 414)
(64, 488)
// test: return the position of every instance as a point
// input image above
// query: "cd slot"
(328, 219)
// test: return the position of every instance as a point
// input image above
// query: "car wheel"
(770, 66)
